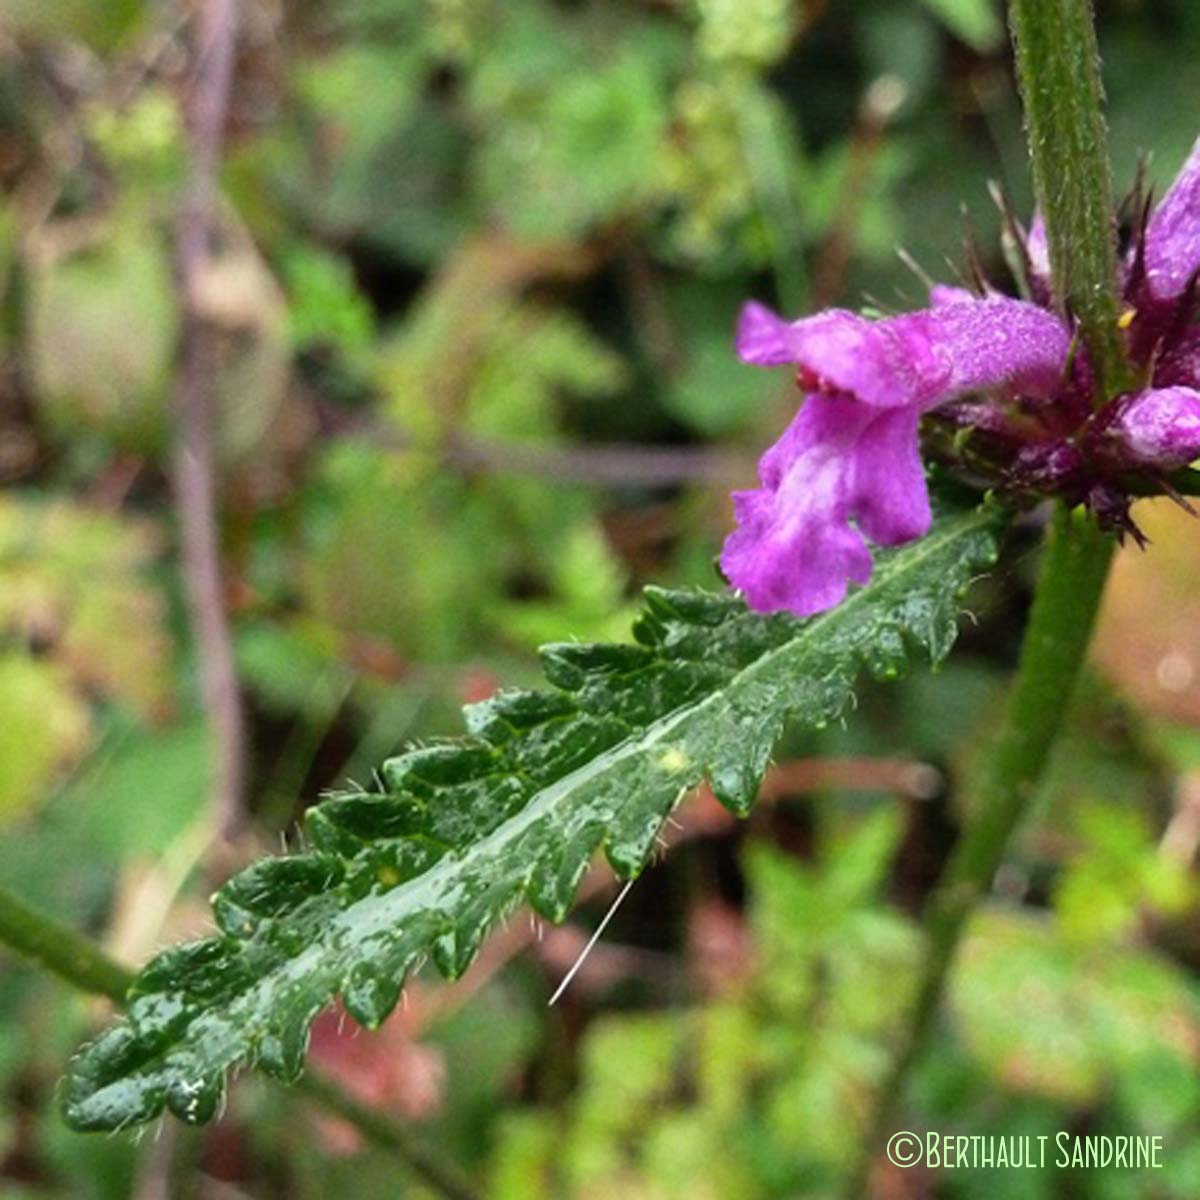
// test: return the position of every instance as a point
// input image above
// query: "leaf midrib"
(379, 911)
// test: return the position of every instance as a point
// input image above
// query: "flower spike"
(1017, 394)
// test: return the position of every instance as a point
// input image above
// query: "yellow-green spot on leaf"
(674, 761)
(388, 877)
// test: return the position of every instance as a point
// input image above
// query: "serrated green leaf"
(462, 832)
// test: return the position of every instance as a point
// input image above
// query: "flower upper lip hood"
(848, 468)
(918, 359)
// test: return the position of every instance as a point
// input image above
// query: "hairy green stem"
(61, 950)
(1060, 84)
(1058, 70)
(80, 962)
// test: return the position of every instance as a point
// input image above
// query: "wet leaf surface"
(462, 832)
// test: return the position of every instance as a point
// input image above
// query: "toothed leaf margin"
(461, 832)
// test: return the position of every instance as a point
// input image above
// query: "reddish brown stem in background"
(879, 105)
(205, 105)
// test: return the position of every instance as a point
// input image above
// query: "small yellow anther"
(1126, 318)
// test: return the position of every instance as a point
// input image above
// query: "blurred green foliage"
(466, 248)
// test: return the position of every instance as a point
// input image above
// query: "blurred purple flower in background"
(1001, 374)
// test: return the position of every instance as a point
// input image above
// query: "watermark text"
(1064, 1150)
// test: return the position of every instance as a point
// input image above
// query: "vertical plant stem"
(59, 949)
(1059, 72)
(77, 960)
(194, 473)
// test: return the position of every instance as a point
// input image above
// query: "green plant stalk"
(59, 949)
(1058, 71)
(77, 960)
(1060, 83)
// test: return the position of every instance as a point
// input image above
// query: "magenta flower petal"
(1161, 426)
(762, 337)
(890, 500)
(795, 547)
(942, 294)
(996, 342)
(1173, 235)
(920, 359)
(883, 364)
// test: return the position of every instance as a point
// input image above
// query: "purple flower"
(848, 471)
(1160, 426)
(852, 452)
(1172, 246)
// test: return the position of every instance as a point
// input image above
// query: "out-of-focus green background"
(480, 262)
